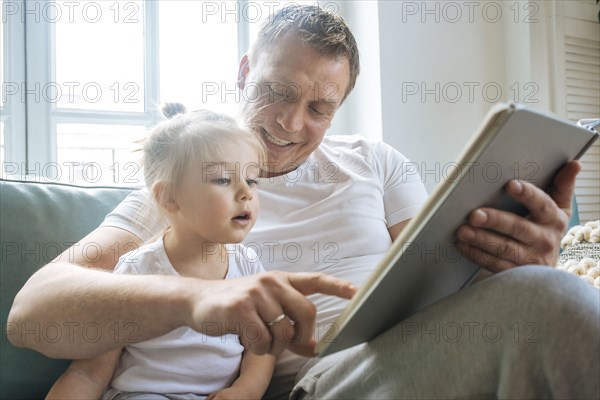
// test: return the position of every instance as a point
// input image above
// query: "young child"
(201, 169)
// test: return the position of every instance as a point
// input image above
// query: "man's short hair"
(322, 30)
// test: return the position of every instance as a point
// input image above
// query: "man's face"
(292, 93)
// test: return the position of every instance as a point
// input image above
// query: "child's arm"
(86, 379)
(255, 374)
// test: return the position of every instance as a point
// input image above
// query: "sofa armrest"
(38, 222)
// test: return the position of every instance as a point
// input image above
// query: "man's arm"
(98, 311)
(498, 240)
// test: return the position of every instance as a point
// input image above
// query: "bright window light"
(98, 154)
(100, 60)
(198, 54)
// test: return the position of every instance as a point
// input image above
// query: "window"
(199, 54)
(2, 108)
(83, 81)
(12, 109)
(100, 105)
(577, 94)
(1, 142)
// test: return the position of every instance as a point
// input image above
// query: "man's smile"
(272, 139)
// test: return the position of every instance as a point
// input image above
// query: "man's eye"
(316, 112)
(222, 181)
(275, 94)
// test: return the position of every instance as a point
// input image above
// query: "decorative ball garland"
(581, 255)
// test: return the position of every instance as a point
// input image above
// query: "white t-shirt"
(183, 360)
(331, 214)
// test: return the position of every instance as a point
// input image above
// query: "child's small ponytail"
(171, 110)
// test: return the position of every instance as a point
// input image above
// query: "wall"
(361, 112)
(442, 67)
(431, 70)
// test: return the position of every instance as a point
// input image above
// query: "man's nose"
(290, 117)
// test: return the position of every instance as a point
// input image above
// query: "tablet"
(424, 264)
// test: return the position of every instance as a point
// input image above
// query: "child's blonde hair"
(189, 137)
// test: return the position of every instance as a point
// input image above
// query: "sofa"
(37, 222)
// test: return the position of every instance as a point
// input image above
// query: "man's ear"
(243, 71)
(164, 199)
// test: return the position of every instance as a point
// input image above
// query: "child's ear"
(164, 198)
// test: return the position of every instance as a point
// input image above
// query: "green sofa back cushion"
(38, 222)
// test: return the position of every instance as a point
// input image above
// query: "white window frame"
(43, 117)
(13, 111)
(30, 126)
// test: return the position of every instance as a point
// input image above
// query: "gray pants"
(532, 332)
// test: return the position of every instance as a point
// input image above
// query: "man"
(335, 205)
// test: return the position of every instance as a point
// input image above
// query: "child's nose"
(245, 192)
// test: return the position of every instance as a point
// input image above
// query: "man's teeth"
(275, 140)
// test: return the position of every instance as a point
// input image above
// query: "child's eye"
(252, 182)
(222, 181)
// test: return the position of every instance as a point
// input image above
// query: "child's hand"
(230, 393)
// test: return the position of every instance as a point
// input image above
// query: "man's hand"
(245, 306)
(498, 240)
